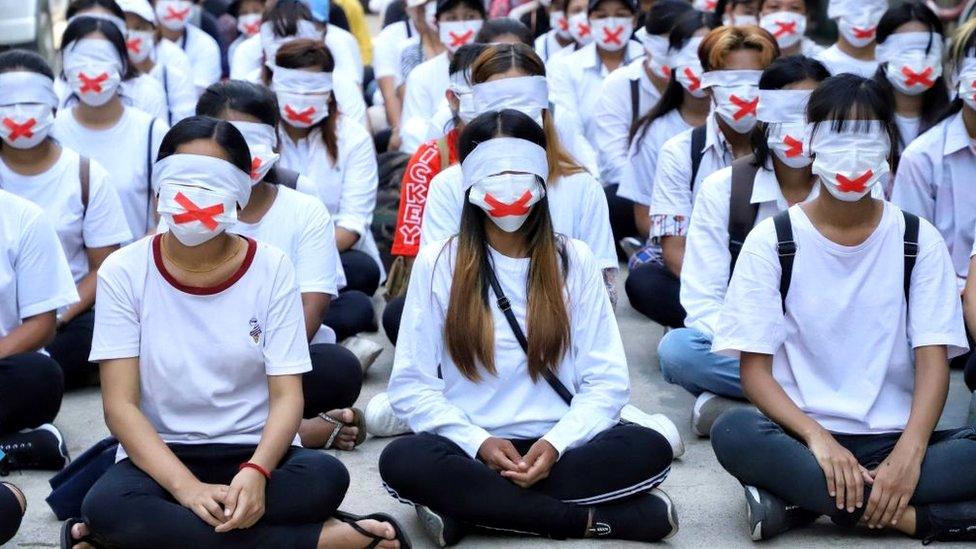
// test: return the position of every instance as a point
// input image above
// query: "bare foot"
(314, 432)
(339, 535)
(79, 531)
(21, 498)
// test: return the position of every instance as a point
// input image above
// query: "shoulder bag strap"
(786, 249)
(149, 173)
(84, 177)
(742, 212)
(285, 177)
(696, 152)
(911, 249)
(634, 102)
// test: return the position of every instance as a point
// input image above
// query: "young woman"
(857, 21)
(682, 106)
(857, 444)
(334, 153)
(156, 57)
(207, 416)
(787, 21)
(909, 54)
(458, 21)
(579, 29)
(75, 194)
(200, 47)
(13, 506)
(488, 421)
(736, 13)
(503, 31)
(35, 282)
(123, 139)
(774, 177)
(558, 36)
(249, 14)
(732, 59)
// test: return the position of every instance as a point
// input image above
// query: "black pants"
(334, 382)
(970, 374)
(653, 291)
(351, 313)
(362, 272)
(758, 452)
(31, 387)
(10, 514)
(71, 347)
(127, 508)
(391, 318)
(622, 222)
(431, 470)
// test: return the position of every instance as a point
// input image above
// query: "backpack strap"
(786, 249)
(149, 172)
(284, 177)
(84, 177)
(445, 152)
(911, 249)
(409, 30)
(742, 212)
(696, 152)
(634, 102)
(169, 110)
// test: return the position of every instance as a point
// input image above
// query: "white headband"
(926, 42)
(730, 78)
(27, 87)
(524, 93)
(840, 8)
(688, 54)
(256, 132)
(656, 46)
(461, 81)
(271, 42)
(300, 81)
(504, 154)
(783, 106)
(119, 23)
(140, 8)
(968, 64)
(206, 172)
(825, 132)
(88, 51)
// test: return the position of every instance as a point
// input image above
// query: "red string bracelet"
(256, 467)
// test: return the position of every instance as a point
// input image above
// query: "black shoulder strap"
(169, 109)
(84, 178)
(786, 249)
(742, 212)
(283, 177)
(634, 102)
(506, 308)
(696, 151)
(409, 30)
(911, 249)
(149, 173)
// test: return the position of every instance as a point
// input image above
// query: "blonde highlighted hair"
(719, 43)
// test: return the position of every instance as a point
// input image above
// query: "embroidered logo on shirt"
(255, 332)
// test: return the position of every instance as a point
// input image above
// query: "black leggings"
(71, 347)
(654, 291)
(622, 222)
(362, 272)
(31, 387)
(335, 380)
(351, 313)
(127, 508)
(11, 514)
(970, 373)
(431, 470)
(758, 452)
(391, 318)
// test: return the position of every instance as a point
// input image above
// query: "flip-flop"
(351, 520)
(67, 542)
(358, 421)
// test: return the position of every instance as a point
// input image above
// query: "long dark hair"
(663, 15)
(238, 95)
(204, 127)
(779, 74)
(935, 100)
(848, 100)
(78, 6)
(469, 332)
(493, 28)
(285, 15)
(84, 27)
(304, 53)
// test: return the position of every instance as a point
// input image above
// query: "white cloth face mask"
(195, 215)
(790, 143)
(850, 163)
(612, 33)
(95, 84)
(454, 34)
(737, 106)
(261, 141)
(787, 27)
(913, 72)
(859, 30)
(558, 21)
(656, 48)
(249, 24)
(25, 125)
(174, 14)
(303, 111)
(687, 68)
(430, 14)
(508, 198)
(967, 83)
(141, 45)
(740, 20)
(579, 28)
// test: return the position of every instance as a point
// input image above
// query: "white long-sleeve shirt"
(204, 54)
(424, 95)
(509, 404)
(640, 167)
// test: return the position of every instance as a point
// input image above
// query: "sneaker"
(669, 511)
(365, 350)
(380, 419)
(946, 522)
(708, 408)
(630, 246)
(647, 517)
(442, 530)
(40, 448)
(656, 422)
(770, 516)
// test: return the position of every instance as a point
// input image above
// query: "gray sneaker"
(770, 516)
(442, 530)
(708, 407)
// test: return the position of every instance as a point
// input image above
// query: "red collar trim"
(157, 251)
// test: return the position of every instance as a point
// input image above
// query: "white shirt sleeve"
(205, 59)
(570, 131)
(561, 88)
(415, 390)
(285, 344)
(117, 323)
(44, 281)
(104, 221)
(705, 271)
(611, 121)
(413, 120)
(350, 101)
(600, 367)
(637, 175)
(359, 182)
(914, 189)
(595, 229)
(671, 199)
(386, 55)
(442, 216)
(935, 310)
(247, 57)
(182, 95)
(318, 257)
(146, 94)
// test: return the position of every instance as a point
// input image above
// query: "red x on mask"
(784, 28)
(17, 131)
(90, 84)
(173, 14)
(856, 185)
(746, 107)
(305, 116)
(583, 30)
(133, 44)
(694, 82)
(501, 209)
(196, 213)
(863, 33)
(923, 78)
(458, 40)
(795, 146)
(255, 168)
(612, 36)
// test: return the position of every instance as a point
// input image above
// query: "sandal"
(358, 421)
(351, 520)
(67, 542)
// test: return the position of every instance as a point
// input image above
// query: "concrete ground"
(710, 506)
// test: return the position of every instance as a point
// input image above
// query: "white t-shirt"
(577, 206)
(908, 128)
(843, 349)
(547, 46)
(204, 353)
(179, 90)
(248, 59)
(637, 177)
(34, 275)
(424, 95)
(387, 46)
(838, 62)
(127, 151)
(509, 404)
(142, 92)
(58, 192)
(204, 54)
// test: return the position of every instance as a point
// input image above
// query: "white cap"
(140, 8)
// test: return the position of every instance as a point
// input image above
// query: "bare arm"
(673, 252)
(314, 307)
(34, 333)
(969, 299)
(642, 218)
(345, 239)
(86, 286)
(286, 405)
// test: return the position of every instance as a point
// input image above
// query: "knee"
(391, 318)
(638, 282)
(403, 460)
(354, 315)
(324, 478)
(42, 378)
(335, 381)
(731, 434)
(362, 272)
(114, 518)
(672, 353)
(649, 448)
